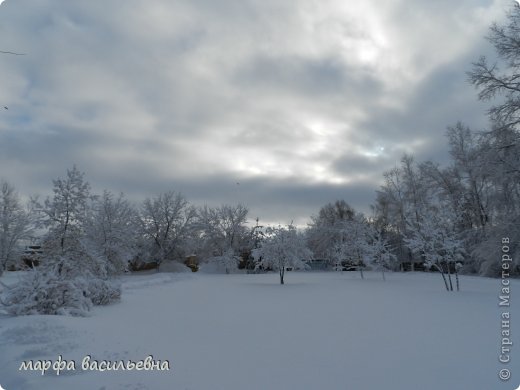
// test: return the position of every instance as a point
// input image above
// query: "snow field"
(321, 330)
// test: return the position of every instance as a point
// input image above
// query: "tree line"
(450, 218)
(88, 239)
(160, 229)
(466, 208)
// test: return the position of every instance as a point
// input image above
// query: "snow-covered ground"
(247, 332)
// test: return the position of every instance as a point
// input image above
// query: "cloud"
(307, 101)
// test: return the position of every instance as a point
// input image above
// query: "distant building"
(192, 262)
(31, 256)
(318, 264)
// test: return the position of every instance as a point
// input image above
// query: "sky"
(281, 105)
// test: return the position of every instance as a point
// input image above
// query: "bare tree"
(492, 80)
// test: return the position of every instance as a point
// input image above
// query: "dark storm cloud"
(313, 77)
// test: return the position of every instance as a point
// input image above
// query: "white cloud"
(266, 90)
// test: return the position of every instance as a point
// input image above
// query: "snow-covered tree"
(351, 246)
(15, 224)
(65, 214)
(166, 223)
(467, 150)
(232, 221)
(47, 290)
(228, 261)
(221, 233)
(377, 252)
(73, 273)
(488, 253)
(498, 157)
(324, 232)
(283, 247)
(254, 240)
(438, 243)
(112, 229)
(391, 208)
(343, 236)
(447, 184)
